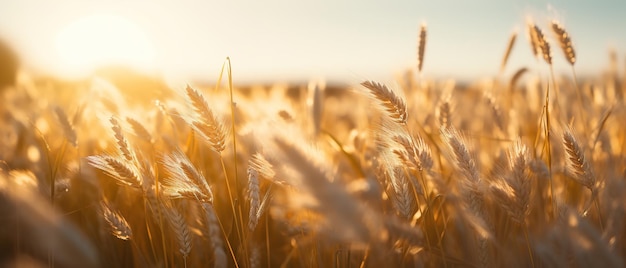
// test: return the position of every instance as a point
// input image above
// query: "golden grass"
(430, 174)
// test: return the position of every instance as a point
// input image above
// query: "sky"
(282, 40)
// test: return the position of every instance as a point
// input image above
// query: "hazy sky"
(270, 40)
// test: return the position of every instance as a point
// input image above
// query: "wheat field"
(521, 170)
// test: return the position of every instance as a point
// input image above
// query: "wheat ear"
(122, 142)
(578, 164)
(117, 169)
(119, 226)
(565, 41)
(532, 37)
(253, 197)
(185, 179)
(421, 47)
(509, 48)
(68, 129)
(543, 44)
(139, 129)
(444, 112)
(473, 193)
(207, 124)
(392, 104)
(215, 236)
(181, 230)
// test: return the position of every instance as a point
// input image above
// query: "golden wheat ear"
(68, 129)
(565, 41)
(120, 170)
(254, 198)
(577, 162)
(393, 106)
(509, 48)
(421, 49)
(118, 224)
(543, 44)
(206, 124)
(181, 230)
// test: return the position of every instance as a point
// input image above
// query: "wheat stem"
(597, 202)
(530, 252)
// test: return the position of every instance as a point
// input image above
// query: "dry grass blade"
(421, 48)
(393, 105)
(68, 129)
(117, 223)
(565, 41)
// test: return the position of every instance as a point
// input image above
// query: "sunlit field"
(523, 169)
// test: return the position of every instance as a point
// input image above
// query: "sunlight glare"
(98, 40)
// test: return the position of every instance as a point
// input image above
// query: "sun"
(103, 39)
